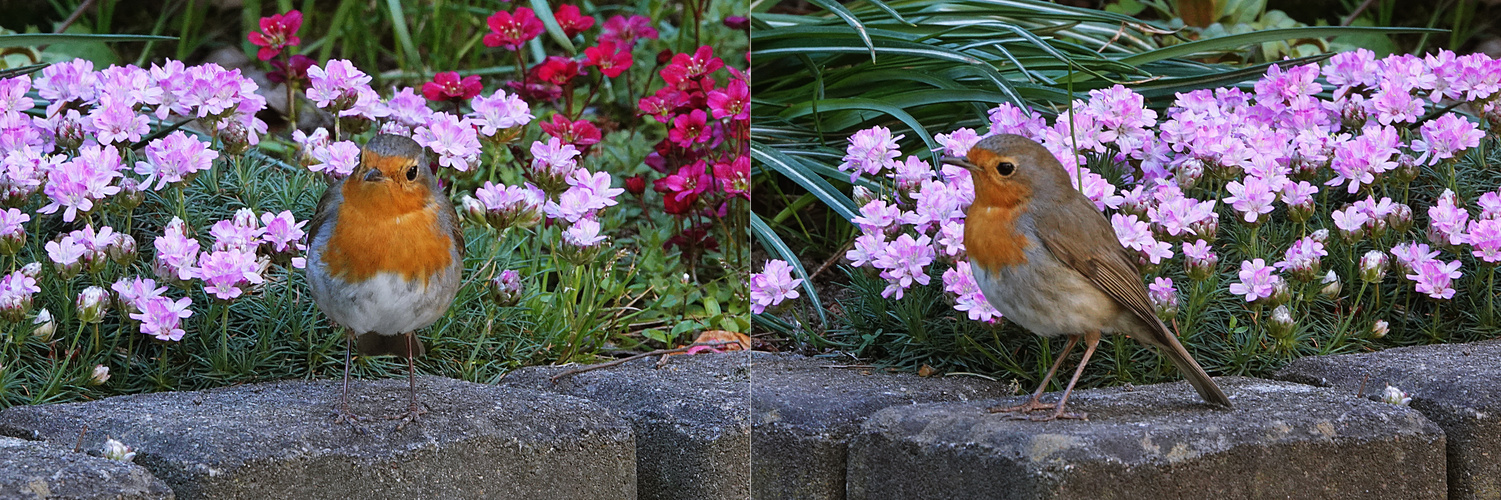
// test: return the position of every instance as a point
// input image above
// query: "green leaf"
(825, 105)
(399, 25)
(34, 39)
(544, 13)
(1244, 39)
(850, 19)
(774, 243)
(815, 184)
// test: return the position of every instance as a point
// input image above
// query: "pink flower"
(510, 31)
(78, 184)
(688, 129)
(903, 263)
(870, 151)
(446, 86)
(581, 132)
(1446, 137)
(960, 281)
(277, 32)
(174, 159)
(1485, 238)
(499, 111)
(878, 216)
(114, 121)
(734, 177)
(133, 292)
(571, 20)
(731, 103)
(583, 233)
(772, 285)
(1256, 281)
(227, 273)
(1435, 278)
(1447, 220)
(453, 138)
(338, 85)
(685, 185)
(176, 253)
(610, 61)
(684, 68)
(1252, 198)
(337, 159)
(161, 317)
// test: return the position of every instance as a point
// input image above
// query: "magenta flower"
(1256, 281)
(577, 132)
(510, 31)
(734, 177)
(772, 285)
(447, 86)
(499, 111)
(684, 69)
(571, 20)
(161, 317)
(610, 61)
(689, 128)
(453, 138)
(733, 102)
(337, 159)
(624, 32)
(174, 159)
(277, 32)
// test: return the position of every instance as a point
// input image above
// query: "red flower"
(295, 69)
(557, 70)
(571, 21)
(635, 184)
(511, 30)
(732, 101)
(687, 183)
(685, 68)
(610, 62)
(689, 128)
(277, 32)
(734, 177)
(447, 86)
(578, 133)
(625, 32)
(655, 106)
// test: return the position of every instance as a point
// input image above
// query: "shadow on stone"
(806, 410)
(691, 417)
(1282, 440)
(278, 440)
(37, 469)
(1457, 386)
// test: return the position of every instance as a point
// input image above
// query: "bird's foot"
(342, 415)
(1030, 406)
(409, 416)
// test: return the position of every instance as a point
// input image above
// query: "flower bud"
(1206, 228)
(1331, 285)
(12, 241)
(1373, 266)
(130, 195)
(635, 184)
(863, 196)
(1189, 173)
(115, 450)
(1301, 212)
(92, 303)
(1407, 169)
(32, 270)
(1379, 329)
(1321, 236)
(738, 23)
(100, 375)
(1400, 218)
(1305, 170)
(44, 326)
(473, 210)
(122, 249)
(506, 289)
(70, 133)
(235, 138)
(1201, 269)
(1376, 227)
(1282, 322)
(1282, 293)
(664, 56)
(1395, 396)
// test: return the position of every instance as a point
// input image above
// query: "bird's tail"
(374, 344)
(1190, 368)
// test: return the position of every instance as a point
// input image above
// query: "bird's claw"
(408, 417)
(344, 416)
(1053, 416)
(1029, 406)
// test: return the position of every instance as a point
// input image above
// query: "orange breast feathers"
(381, 227)
(991, 237)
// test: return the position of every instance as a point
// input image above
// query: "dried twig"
(74, 17)
(639, 356)
(838, 254)
(1361, 393)
(78, 446)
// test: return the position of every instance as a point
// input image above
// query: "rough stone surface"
(36, 469)
(1282, 440)
(805, 411)
(691, 416)
(277, 440)
(1457, 386)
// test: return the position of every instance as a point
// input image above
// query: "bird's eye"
(412, 173)
(1005, 168)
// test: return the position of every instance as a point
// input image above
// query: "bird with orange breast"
(1047, 259)
(384, 257)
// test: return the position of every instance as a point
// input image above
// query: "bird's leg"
(1091, 340)
(1033, 404)
(415, 409)
(342, 413)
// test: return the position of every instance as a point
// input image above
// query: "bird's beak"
(959, 161)
(373, 175)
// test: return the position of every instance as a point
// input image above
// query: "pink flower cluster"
(772, 285)
(245, 246)
(1246, 153)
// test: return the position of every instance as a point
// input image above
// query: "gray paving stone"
(1282, 440)
(1457, 386)
(805, 411)
(37, 469)
(277, 440)
(691, 417)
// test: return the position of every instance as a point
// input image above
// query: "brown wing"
(1080, 237)
(455, 223)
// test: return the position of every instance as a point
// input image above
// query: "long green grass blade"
(814, 183)
(34, 39)
(1273, 35)
(544, 13)
(775, 245)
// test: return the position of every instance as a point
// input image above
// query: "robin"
(385, 256)
(1048, 260)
